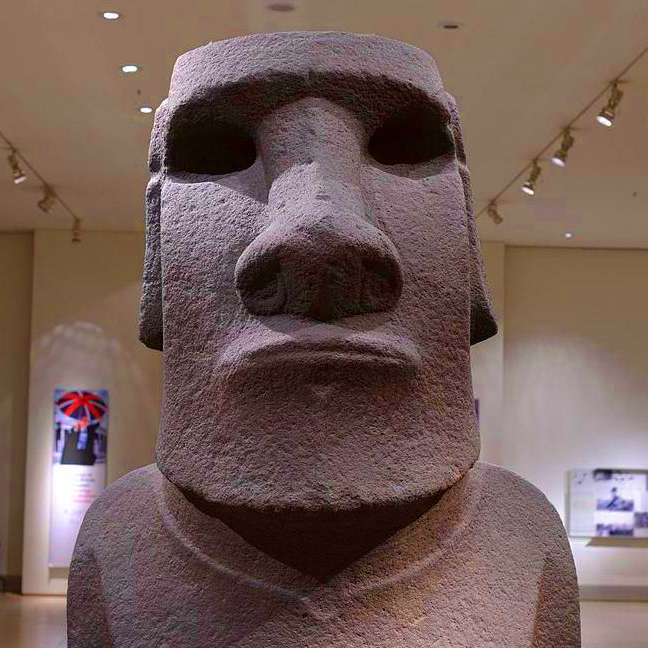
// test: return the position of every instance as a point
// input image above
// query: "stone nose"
(324, 266)
(319, 256)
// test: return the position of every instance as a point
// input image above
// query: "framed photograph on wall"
(607, 502)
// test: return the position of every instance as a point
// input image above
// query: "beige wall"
(576, 381)
(564, 385)
(487, 360)
(15, 314)
(84, 334)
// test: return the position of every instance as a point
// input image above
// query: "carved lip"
(332, 347)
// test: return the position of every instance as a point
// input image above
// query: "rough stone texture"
(313, 276)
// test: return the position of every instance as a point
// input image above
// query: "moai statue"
(313, 279)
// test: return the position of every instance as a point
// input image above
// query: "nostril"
(319, 272)
(260, 284)
(382, 283)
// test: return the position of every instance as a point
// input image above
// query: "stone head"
(312, 274)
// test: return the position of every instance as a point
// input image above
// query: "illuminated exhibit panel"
(608, 502)
(78, 465)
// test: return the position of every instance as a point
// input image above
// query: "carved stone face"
(312, 274)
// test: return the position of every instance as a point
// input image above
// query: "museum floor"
(39, 622)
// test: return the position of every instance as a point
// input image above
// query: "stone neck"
(356, 549)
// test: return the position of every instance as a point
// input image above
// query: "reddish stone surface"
(313, 278)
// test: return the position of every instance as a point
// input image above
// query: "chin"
(338, 441)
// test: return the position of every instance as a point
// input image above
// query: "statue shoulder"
(516, 501)
(532, 536)
(129, 497)
(110, 524)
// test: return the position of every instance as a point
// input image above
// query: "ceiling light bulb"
(493, 213)
(559, 158)
(129, 69)
(605, 118)
(46, 203)
(147, 110)
(568, 235)
(110, 15)
(16, 170)
(529, 186)
(608, 112)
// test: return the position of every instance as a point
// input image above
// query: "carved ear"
(482, 320)
(150, 320)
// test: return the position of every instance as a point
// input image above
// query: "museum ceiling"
(520, 70)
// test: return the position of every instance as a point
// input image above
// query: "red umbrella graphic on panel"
(83, 406)
(86, 409)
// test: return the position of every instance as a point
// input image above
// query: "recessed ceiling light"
(147, 110)
(449, 24)
(281, 6)
(110, 15)
(129, 69)
(568, 235)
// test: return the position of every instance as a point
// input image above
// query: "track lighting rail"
(609, 87)
(50, 196)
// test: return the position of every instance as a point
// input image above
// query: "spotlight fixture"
(491, 210)
(529, 186)
(110, 15)
(559, 158)
(16, 170)
(146, 110)
(130, 68)
(76, 230)
(46, 203)
(608, 112)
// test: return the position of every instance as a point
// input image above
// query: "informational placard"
(78, 465)
(608, 502)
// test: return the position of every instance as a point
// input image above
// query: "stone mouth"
(327, 347)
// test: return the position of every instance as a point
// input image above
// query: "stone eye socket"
(412, 135)
(203, 146)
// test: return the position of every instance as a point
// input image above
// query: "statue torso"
(174, 577)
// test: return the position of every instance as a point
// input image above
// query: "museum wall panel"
(84, 335)
(575, 385)
(15, 314)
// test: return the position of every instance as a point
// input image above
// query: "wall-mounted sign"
(608, 502)
(78, 464)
